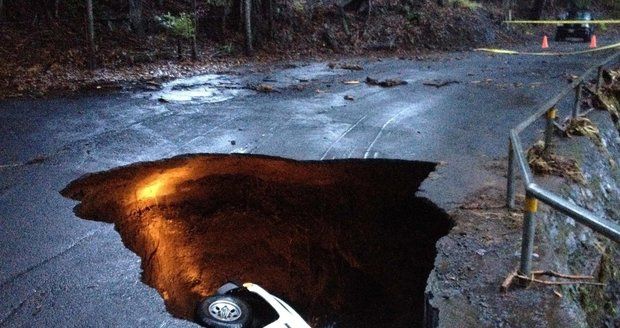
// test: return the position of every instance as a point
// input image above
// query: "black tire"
(238, 312)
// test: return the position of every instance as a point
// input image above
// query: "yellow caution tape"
(602, 21)
(513, 52)
(531, 204)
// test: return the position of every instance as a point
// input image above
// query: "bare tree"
(270, 17)
(537, 10)
(135, 16)
(247, 9)
(91, 34)
(194, 41)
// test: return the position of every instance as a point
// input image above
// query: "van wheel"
(224, 311)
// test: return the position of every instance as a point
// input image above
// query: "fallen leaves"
(552, 164)
(582, 126)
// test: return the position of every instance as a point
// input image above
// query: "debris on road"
(440, 83)
(349, 97)
(385, 83)
(571, 78)
(535, 84)
(508, 281)
(37, 160)
(152, 86)
(570, 279)
(563, 282)
(351, 67)
(485, 81)
(263, 87)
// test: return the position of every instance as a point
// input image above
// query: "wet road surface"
(58, 270)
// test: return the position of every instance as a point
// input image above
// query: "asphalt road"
(59, 270)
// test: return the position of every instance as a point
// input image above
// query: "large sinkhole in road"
(345, 242)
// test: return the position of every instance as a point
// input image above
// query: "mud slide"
(346, 242)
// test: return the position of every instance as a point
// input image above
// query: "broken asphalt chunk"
(385, 83)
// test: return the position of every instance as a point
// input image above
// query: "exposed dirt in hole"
(343, 241)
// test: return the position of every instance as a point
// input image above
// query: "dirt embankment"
(343, 241)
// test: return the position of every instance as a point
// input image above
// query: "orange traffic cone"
(593, 41)
(545, 43)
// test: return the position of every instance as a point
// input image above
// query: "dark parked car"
(583, 31)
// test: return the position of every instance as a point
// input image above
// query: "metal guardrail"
(534, 192)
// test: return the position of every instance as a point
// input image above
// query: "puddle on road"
(343, 241)
(213, 88)
(210, 88)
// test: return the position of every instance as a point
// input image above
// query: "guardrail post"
(577, 106)
(510, 184)
(529, 230)
(599, 79)
(551, 114)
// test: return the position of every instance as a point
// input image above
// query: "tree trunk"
(345, 24)
(247, 8)
(194, 41)
(92, 64)
(179, 49)
(270, 18)
(227, 10)
(135, 16)
(537, 11)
